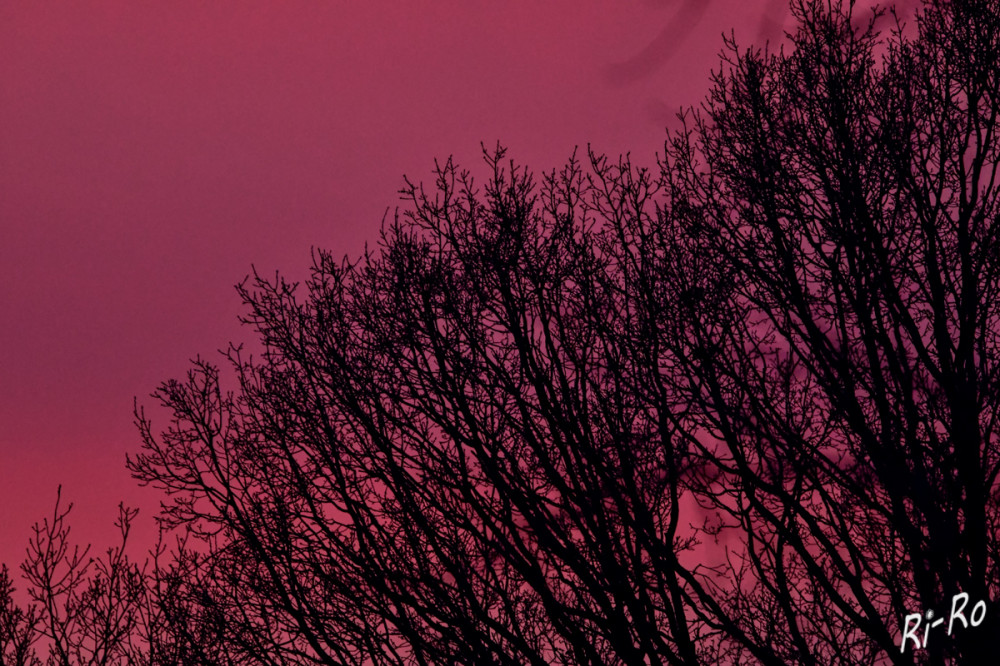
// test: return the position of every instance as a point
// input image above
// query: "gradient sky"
(150, 153)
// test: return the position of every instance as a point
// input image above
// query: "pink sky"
(151, 152)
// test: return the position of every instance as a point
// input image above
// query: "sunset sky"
(151, 153)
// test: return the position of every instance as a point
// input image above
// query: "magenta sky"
(151, 152)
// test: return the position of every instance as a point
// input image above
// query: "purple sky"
(151, 152)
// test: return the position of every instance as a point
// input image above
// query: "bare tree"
(18, 626)
(79, 609)
(448, 452)
(849, 389)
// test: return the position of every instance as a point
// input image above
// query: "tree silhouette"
(81, 609)
(18, 627)
(740, 409)
(850, 387)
